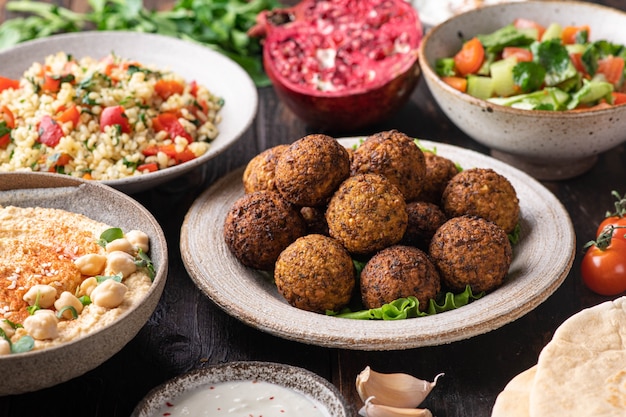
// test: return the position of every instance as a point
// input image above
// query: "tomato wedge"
(114, 116)
(50, 132)
(7, 123)
(569, 34)
(521, 54)
(470, 58)
(69, 115)
(6, 83)
(613, 69)
(167, 88)
(150, 167)
(618, 98)
(169, 122)
(458, 83)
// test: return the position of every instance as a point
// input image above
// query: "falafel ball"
(309, 171)
(259, 173)
(396, 272)
(439, 170)
(315, 273)
(469, 250)
(485, 193)
(394, 155)
(367, 213)
(259, 226)
(424, 219)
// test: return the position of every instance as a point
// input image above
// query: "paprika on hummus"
(64, 275)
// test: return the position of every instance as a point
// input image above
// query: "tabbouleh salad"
(103, 119)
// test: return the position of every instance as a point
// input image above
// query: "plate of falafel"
(311, 230)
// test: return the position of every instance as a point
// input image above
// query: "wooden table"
(187, 331)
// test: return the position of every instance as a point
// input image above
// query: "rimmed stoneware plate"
(44, 368)
(538, 269)
(218, 73)
(305, 382)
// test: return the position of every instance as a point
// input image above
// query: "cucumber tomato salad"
(529, 66)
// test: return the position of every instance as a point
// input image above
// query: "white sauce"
(243, 399)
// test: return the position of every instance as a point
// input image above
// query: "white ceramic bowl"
(301, 380)
(219, 74)
(548, 145)
(34, 370)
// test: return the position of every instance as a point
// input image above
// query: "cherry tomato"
(7, 122)
(112, 116)
(167, 88)
(169, 122)
(9, 83)
(50, 133)
(603, 269)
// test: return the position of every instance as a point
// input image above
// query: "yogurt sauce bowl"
(242, 389)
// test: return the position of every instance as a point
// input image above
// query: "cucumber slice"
(479, 86)
(553, 31)
(502, 76)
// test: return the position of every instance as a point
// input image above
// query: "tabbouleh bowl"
(103, 119)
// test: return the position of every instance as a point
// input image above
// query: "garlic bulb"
(393, 390)
(377, 410)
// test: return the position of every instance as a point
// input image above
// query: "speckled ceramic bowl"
(548, 145)
(298, 379)
(218, 73)
(39, 369)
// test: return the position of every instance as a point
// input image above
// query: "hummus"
(52, 261)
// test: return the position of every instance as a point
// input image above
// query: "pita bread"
(514, 400)
(582, 371)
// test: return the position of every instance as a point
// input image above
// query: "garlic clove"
(377, 410)
(393, 390)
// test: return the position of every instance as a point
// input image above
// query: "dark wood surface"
(187, 331)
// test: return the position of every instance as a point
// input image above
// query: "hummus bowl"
(106, 205)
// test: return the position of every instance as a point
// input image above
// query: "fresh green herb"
(445, 67)
(25, 344)
(117, 277)
(4, 129)
(555, 59)
(110, 235)
(144, 261)
(529, 75)
(32, 309)
(85, 300)
(71, 309)
(496, 41)
(221, 25)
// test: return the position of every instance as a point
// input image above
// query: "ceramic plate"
(192, 61)
(101, 203)
(537, 270)
(298, 379)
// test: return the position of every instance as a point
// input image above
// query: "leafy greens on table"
(217, 24)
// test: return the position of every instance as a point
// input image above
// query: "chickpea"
(6, 328)
(87, 286)
(42, 325)
(68, 299)
(5, 347)
(120, 262)
(91, 264)
(122, 245)
(139, 240)
(109, 294)
(47, 294)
